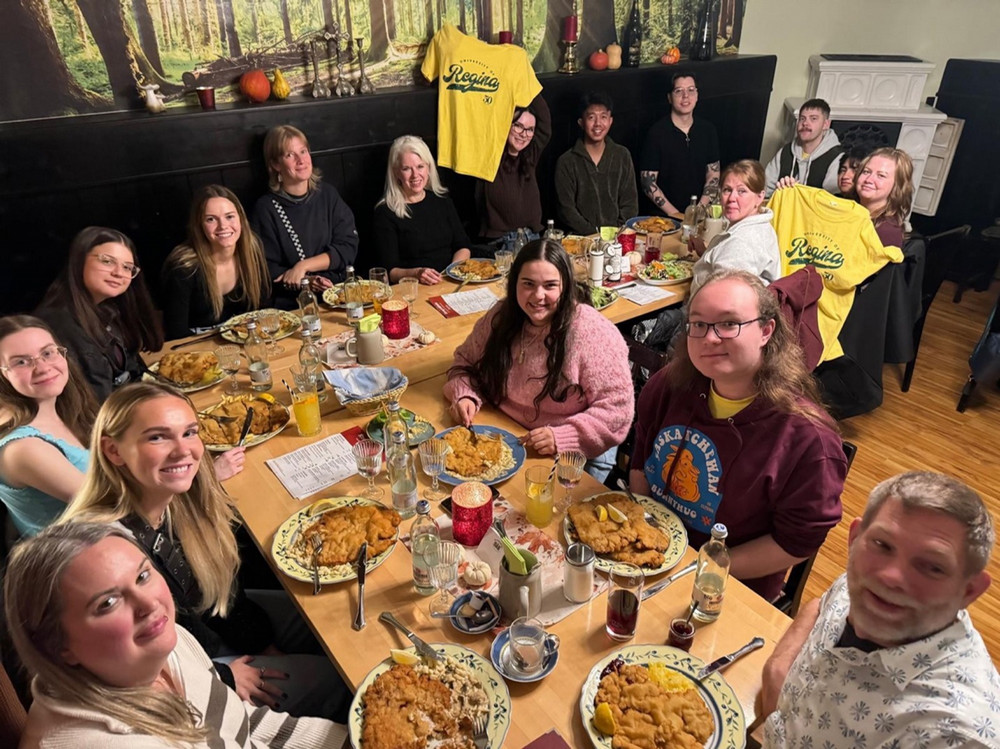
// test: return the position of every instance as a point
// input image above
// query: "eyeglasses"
(517, 127)
(47, 355)
(109, 264)
(690, 91)
(725, 329)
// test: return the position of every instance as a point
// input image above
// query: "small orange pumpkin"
(671, 57)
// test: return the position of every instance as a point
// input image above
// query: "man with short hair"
(595, 180)
(813, 158)
(681, 155)
(889, 657)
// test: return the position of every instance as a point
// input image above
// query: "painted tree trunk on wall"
(484, 20)
(519, 27)
(232, 38)
(147, 34)
(348, 20)
(81, 27)
(26, 34)
(254, 21)
(329, 19)
(378, 46)
(549, 54)
(186, 24)
(461, 16)
(286, 23)
(598, 28)
(206, 24)
(429, 17)
(220, 20)
(389, 8)
(168, 40)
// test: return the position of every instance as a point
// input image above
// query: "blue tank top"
(30, 509)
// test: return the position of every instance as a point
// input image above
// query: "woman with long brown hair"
(731, 431)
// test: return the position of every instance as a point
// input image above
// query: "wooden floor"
(922, 430)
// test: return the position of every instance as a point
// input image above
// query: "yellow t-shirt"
(480, 86)
(835, 236)
(723, 408)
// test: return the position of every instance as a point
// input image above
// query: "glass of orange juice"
(305, 403)
(538, 484)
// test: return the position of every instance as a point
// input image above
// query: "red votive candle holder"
(395, 318)
(471, 512)
(206, 96)
(506, 37)
(627, 240)
(569, 29)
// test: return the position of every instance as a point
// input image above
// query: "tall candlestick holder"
(570, 65)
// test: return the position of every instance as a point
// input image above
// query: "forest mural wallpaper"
(85, 56)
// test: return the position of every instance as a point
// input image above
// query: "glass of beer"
(471, 512)
(381, 290)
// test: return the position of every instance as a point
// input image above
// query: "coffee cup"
(520, 595)
(529, 647)
(367, 347)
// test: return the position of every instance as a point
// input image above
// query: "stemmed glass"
(432, 456)
(368, 456)
(503, 260)
(444, 574)
(408, 287)
(229, 360)
(570, 471)
(270, 323)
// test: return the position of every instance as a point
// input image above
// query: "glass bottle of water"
(394, 424)
(260, 366)
(690, 226)
(520, 241)
(550, 229)
(353, 297)
(424, 538)
(311, 361)
(309, 308)
(402, 476)
(710, 576)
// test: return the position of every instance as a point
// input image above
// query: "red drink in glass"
(652, 252)
(395, 319)
(623, 614)
(471, 512)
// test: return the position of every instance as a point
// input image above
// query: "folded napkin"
(361, 383)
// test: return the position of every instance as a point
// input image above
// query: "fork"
(479, 732)
(317, 542)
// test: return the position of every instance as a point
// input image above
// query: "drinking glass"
(305, 402)
(270, 323)
(624, 597)
(570, 471)
(368, 456)
(381, 290)
(229, 360)
(503, 260)
(409, 288)
(432, 456)
(538, 487)
(444, 574)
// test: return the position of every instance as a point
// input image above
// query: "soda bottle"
(260, 367)
(402, 476)
(710, 576)
(311, 361)
(424, 539)
(309, 308)
(353, 297)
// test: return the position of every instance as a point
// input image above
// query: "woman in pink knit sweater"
(553, 364)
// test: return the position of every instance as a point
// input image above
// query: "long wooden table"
(538, 707)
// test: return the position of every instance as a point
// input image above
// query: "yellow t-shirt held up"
(480, 85)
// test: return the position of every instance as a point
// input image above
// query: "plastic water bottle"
(260, 366)
(309, 308)
(424, 538)
(710, 576)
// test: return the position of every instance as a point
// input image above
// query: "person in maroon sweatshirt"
(730, 432)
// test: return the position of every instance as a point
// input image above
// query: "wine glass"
(269, 321)
(570, 471)
(229, 360)
(408, 287)
(444, 574)
(432, 456)
(368, 456)
(503, 260)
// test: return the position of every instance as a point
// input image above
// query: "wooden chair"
(795, 584)
(984, 363)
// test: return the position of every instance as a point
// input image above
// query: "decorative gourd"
(477, 574)
(599, 60)
(614, 56)
(280, 87)
(671, 57)
(255, 86)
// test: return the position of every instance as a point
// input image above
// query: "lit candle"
(569, 29)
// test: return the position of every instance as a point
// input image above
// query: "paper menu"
(316, 466)
(644, 294)
(464, 303)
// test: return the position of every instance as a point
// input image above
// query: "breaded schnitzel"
(634, 541)
(344, 529)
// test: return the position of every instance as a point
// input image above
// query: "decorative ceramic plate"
(516, 448)
(334, 296)
(685, 266)
(235, 327)
(601, 297)
(719, 697)
(252, 439)
(418, 429)
(656, 515)
(288, 533)
(498, 654)
(633, 223)
(482, 670)
(213, 377)
(453, 272)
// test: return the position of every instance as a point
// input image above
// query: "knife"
(422, 647)
(205, 337)
(720, 663)
(652, 590)
(359, 619)
(246, 427)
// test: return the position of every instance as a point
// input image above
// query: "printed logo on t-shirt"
(818, 250)
(470, 76)
(694, 484)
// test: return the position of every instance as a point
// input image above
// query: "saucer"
(498, 654)
(464, 624)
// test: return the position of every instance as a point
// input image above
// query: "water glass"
(529, 646)
(229, 361)
(432, 456)
(444, 574)
(624, 597)
(538, 486)
(269, 321)
(368, 457)
(381, 290)
(570, 471)
(409, 288)
(503, 260)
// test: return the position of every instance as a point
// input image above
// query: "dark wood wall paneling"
(137, 172)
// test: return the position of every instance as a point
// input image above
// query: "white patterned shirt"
(941, 691)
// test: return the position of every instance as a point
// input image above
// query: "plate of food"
(418, 429)
(646, 224)
(220, 424)
(621, 532)
(334, 296)
(490, 455)
(473, 270)
(187, 371)
(666, 271)
(235, 328)
(417, 702)
(601, 297)
(673, 699)
(343, 523)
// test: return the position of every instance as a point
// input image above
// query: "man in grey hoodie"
(813, 158)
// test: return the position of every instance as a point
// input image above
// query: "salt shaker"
(578, 580)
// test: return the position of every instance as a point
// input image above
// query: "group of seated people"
(131, 527)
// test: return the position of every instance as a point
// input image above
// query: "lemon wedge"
(602, 513)
(320, 506)
(404, 657)
(604, 719)
(617, 515)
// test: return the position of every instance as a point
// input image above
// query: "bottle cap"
(719, 531)
(423, 507)
(304, 282)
